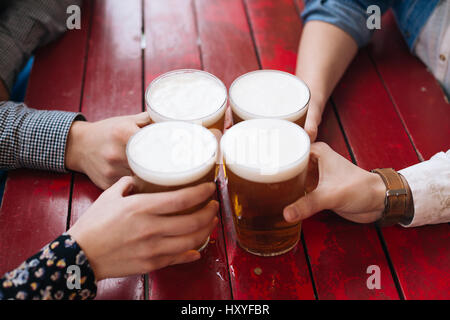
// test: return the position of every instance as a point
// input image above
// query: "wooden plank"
(228, 52)
(113, 87)
(377, 137)
(35, 205)
(226, 41)
(421, 255)
(171, 38)
(339, 251)
(417, 96)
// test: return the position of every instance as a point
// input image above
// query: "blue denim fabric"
(351, 16)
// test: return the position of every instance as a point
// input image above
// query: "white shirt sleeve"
(430, 186)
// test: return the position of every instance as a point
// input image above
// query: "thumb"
(142, 119)
(123, 187)
(304, 207)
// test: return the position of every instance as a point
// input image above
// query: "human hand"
(98, 149)
(353, 193)
(124, 234)
(313, 119)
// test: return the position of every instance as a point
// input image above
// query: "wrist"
(377, 192)
(75, 146)
(83, 241)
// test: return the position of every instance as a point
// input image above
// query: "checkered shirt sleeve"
(33, 138)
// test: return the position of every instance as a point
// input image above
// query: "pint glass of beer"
(269, 94)
(266, 164)
(171, 155)
(188, 95)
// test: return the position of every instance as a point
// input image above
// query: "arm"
(121, 234)
(331, 36)
(358, 195)
(44, 275)
(60, 141)
(324, 54)
(33, 138)
(53, 140)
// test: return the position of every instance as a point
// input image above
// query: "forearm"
(324, 53)
(33, 138)
(45, 276)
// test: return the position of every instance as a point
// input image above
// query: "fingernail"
(291, 213)
(215, 204)
(195, 255)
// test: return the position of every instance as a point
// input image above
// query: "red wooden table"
(387, 111)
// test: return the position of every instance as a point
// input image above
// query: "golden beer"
(269, 94)
(172, 155)
(188, 95)
(266, 162)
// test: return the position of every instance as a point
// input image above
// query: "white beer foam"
(269, 94)
(188, 95)
(266, 150)
(172, 153)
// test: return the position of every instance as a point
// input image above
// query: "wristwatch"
(398, 202)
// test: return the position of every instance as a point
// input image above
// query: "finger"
(228, 118)
(217, 133)
(304, 207)
(312, 123)
(320, 149)
(172, 201)
(122, 187)
(179, 244)
(165, 261)
(185, 257)
(142, 119)
(312, 175)
(327, 159)
(186, 224)
(112, 180)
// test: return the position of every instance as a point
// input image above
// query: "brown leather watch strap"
(398, 198)
(409, 213)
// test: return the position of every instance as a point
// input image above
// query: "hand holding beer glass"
(266, 163)
(266, 159)
(173, 155)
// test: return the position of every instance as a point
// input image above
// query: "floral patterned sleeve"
(47, 275)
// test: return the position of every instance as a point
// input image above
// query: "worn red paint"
(35, 205)
(112, 87)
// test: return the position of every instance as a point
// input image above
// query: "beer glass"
(188, 95)
(172, 155)
(266, 162)
(269, 94)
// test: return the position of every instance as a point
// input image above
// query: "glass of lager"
(188, 95)
(269, 94)
(171, 155)
(266, 163)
